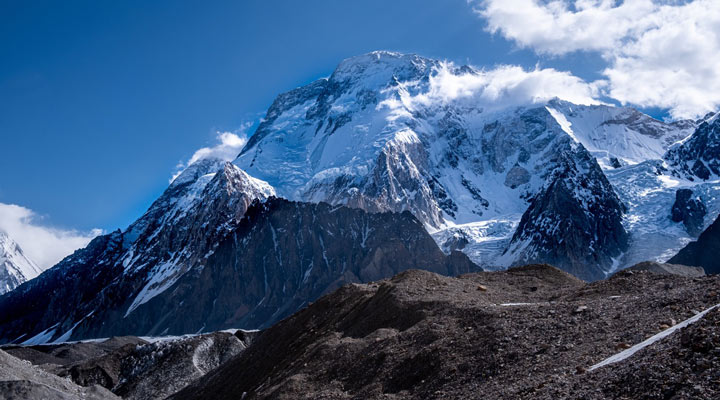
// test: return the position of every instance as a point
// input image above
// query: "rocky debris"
(134, 368)
(21, 380)
(684, 365)
(703, 252)
(424, 336)
(158, 369)
(690, 211)
(668, 269)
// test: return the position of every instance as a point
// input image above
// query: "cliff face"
(703, 252)
(277, 258)
(575, 222)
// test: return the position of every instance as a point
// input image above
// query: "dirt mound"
(523, 333)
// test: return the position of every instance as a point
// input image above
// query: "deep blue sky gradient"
(99, 100)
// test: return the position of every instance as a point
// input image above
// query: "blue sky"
(100, 100)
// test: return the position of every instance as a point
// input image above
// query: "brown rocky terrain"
(531, 332)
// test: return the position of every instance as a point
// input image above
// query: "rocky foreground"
(532, 332)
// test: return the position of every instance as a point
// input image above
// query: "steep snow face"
(15, 266)
(649, 191)
(382, 133)
(618, 136)
(698, 157)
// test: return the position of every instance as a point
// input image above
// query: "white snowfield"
(653, 339)
(15, 266)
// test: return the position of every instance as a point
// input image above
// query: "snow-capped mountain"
(375, 136)
(215, 251)
(367, 160)
(15, 266)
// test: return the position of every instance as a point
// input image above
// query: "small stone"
(623, 346)
(664, 326)
(580, 370)
(482, 288)
(580, 309)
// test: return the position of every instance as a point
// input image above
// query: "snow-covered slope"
(385, 132)
(15, 266)
(619, 136)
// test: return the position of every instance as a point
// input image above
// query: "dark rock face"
(424, 336)
(703, 252)
(259, 269)
(688, 210)
(284, 254)
(575, 222)
(699, 156)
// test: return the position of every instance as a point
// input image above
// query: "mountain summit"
(15, 266)
(398, 132)
(394, 162)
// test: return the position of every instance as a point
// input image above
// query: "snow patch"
(653, 339)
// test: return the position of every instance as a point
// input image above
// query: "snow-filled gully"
(667, 332)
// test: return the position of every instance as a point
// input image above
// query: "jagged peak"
(233, 179)
(379, 67)
(197, 169)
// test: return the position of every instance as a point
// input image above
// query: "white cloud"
(45, 245)
(501, 87)
(659, 53)
(228, 147)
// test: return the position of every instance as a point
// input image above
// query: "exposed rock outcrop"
(699, 156)
(689, 210)
(703, 252)
(575, 222)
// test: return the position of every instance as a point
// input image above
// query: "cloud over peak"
(43, 244)
(228, 146)
(659, 53)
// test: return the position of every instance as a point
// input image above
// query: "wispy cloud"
(227, 148)
(659, 53)
(495, 89)
(43, 244)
